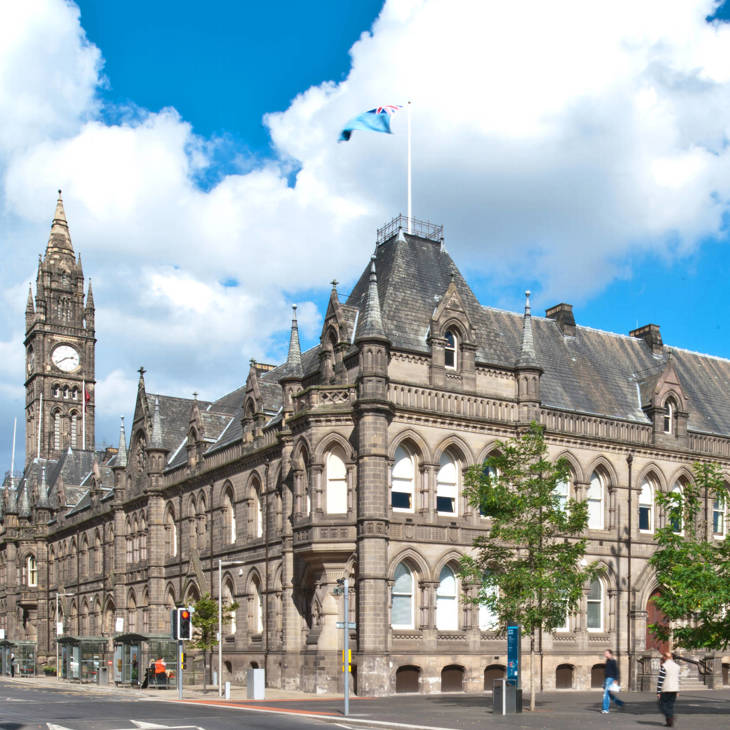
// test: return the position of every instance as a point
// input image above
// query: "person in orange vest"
(160, 672)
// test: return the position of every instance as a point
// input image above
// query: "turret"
(29, 308)
(156, 451)
(528, 370)
(291, 381)
(89, 309)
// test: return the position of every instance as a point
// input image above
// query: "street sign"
(350, 625)
(513, 655)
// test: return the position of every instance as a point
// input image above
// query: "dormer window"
(669, 412)
(450, 350)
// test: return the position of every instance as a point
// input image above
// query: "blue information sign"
(513, 655)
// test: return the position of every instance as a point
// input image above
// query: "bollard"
(228, 690)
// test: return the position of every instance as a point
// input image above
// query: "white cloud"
(551, 139)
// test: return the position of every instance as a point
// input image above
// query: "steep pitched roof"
(413, 274)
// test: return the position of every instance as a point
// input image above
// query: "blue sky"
(578, 154)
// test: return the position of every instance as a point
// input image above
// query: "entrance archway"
(654, 615)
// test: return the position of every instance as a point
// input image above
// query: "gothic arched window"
(447, 605)
(451, 350)
(336, 483)
(401, 614)
(403, 479)
(447, 486)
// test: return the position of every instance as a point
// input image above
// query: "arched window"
(57, 430)
(594, 606)
(257, 509)
(202, 522)
(447, 486)
(135, 542)
(403, 478)
(718, 516)
(98, 555)
(646, 507)
(488, 619)
(402, 598)
(447, 606)
(336, 483)
(32, 571)
(131, 613)
(670, 410)
(257, 624)
(170, 532)
(74, 429)
(65, 392)
(142, 538)
(562, 493)
(595, 502)
(451, 350)
(228, 600)
(75, 394)
(84, 559)
(229, 513)
(491, 473)
(676, 521)
(56, 391)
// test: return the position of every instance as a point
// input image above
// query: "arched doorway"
(654, 615)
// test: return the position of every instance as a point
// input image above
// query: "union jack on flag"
(375, 120)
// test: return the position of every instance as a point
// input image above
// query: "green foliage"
(528, 560)
(205, 620)
(693, 572)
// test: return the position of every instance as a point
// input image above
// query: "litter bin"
(102, 675)
(506, 697)
(255, 681)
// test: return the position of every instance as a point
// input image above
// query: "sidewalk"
(563, 710)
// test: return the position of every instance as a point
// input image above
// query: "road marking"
(140, 724)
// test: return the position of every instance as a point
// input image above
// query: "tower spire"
(29, 308)
(122, 453)
(90, 297)
(59, 240)
(528, 358)
(43, 491)
(294, 360)
(156, 438)
(371, 322)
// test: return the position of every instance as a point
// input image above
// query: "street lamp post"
(221, 563)
(61, 595)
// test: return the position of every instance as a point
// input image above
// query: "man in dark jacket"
(610, 677)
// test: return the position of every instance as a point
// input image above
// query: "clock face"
(65, 358)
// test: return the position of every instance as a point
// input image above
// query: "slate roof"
(594, 372)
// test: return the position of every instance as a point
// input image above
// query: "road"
(38, 708)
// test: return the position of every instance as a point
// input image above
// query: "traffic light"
(184, 624)
(181, 623)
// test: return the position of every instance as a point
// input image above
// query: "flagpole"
(410, 201)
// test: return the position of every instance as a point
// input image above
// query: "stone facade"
(347, 461)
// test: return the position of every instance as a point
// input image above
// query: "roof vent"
(651, 335)
(563, 314)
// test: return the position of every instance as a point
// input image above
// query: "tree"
(205, 620)
(693, 571)
(528, 560)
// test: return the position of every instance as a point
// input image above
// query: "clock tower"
(59, 352)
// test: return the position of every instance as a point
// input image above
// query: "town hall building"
(347, 460)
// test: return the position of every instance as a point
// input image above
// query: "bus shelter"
(25, 653)
(138, 656)
(83, 658)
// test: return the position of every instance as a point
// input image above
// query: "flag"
(376, 120)
(87, 395)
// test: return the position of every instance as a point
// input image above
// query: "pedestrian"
(12, 664)
(667, 687)
(610, 679)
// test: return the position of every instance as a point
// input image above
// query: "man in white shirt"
(667, 687)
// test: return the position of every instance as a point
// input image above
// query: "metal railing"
(422, 229)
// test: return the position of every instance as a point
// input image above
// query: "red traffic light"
(185, 614)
